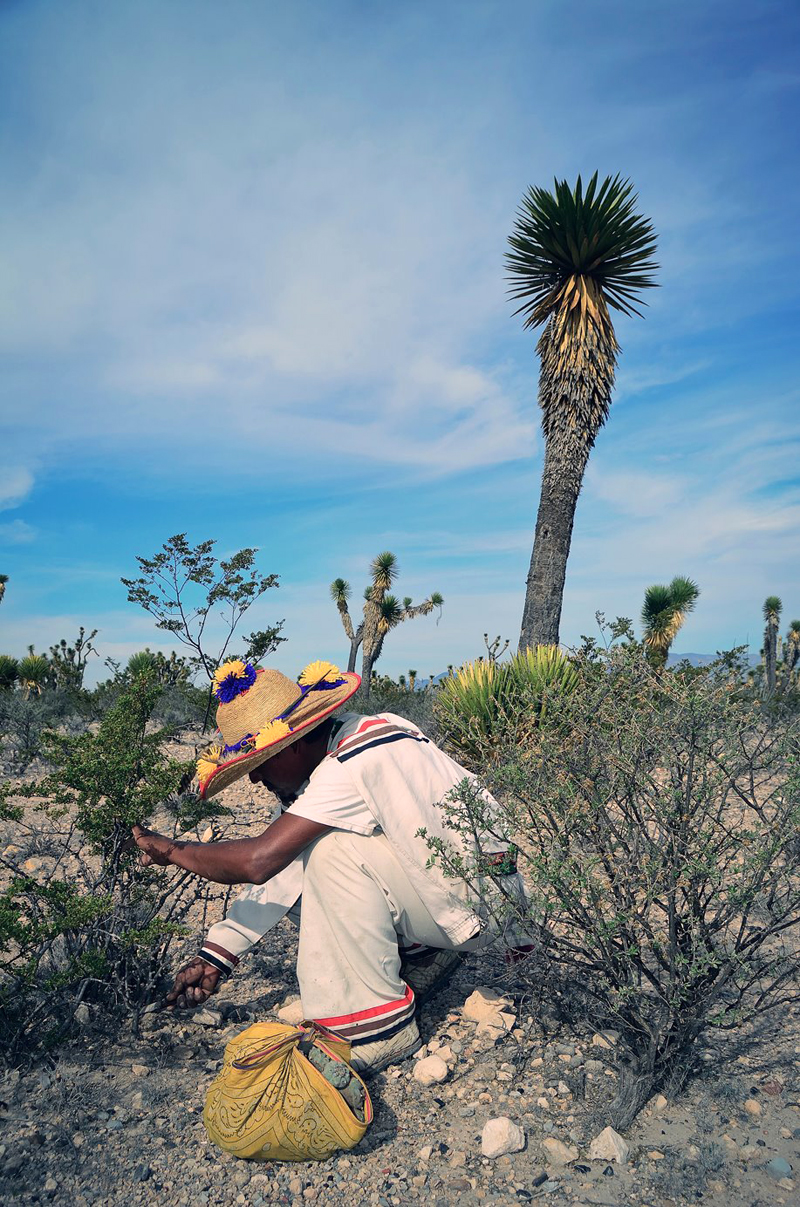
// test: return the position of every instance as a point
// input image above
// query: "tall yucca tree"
(3, 581)
(772, 617)
(382, 613)
(791, 652)
(575, 256)
(664, 611)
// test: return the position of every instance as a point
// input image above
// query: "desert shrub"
(80, 919)
(181, 706)
(182, 585)
(25, 718)
(686, 1177)
(656, 824)
(479, 706)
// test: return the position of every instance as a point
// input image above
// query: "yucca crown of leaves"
(772, 609)
(587, 247)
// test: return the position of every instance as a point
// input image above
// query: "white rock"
(207, 1018)
(483, 1004)
(82, 1016)
(490, 1028)
(559, 1153)
(605, 1039)
(291, 1012)
(660, 1104)
(424, 1154)
(501, 1136)
(609, 1146)
(430, 1070)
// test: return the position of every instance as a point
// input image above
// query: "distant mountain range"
(704, 659)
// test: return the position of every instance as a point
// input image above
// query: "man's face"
(283, 773)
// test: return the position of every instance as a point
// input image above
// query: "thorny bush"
(80, 920)
(656, 819)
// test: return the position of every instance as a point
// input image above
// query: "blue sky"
(253, 289)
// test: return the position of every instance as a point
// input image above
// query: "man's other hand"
(153, 848)
(194, 985)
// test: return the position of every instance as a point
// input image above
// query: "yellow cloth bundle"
(270, 1103)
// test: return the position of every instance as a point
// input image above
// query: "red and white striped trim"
(224, 960)
(378, 1022)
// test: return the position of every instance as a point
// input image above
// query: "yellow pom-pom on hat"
(319, 672)
(234, 666)
(271, 733)
(208, 762)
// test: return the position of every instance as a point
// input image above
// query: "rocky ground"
(115, 1117)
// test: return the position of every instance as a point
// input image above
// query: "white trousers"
(357, 903)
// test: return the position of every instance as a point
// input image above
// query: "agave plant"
(663, 613)
(143, 662)
(484, 704)
(575, 256)
(9, 671)
(33, 672)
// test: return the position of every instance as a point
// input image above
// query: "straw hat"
(261, 711)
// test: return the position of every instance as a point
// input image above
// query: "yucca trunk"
(561, 483)
(575, 396)
(370, 644)
(771, 654)
(355, 642)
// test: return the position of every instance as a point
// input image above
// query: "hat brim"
(233, 769)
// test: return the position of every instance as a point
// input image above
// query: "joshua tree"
(493, 648)
(382, 613)
(340, 593)
(772, 617)
(412, 680)
(663, 614)
(573, 256)
(68, 662)
(3, 581)
(791, 653)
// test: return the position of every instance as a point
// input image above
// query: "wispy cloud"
(15, 483)
(17, 532)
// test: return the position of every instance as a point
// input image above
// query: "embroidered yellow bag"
(271, 1102)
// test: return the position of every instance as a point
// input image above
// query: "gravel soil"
(115, 1117)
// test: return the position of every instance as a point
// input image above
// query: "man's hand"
(194, 985)
(154, 848)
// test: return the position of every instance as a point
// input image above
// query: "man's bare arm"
(239, 860)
